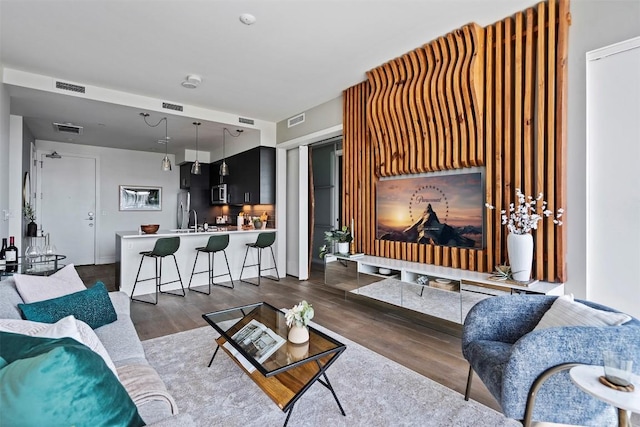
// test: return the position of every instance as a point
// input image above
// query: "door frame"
(98, 213)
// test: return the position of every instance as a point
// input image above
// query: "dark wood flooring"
(429, 352)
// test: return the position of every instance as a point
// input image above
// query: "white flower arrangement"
(525, 216)
(300, 314)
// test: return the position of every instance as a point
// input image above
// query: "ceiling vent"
(174, 107)
(246, 121)
(68, 128)
(295, 120)
(70, 87)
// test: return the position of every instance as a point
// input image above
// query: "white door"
(613, 186)
(67, 189)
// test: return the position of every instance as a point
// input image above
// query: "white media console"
(443, 292)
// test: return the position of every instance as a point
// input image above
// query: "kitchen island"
(129, 244)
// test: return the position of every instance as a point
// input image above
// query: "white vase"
(298, 334)
(520, 250)
(343, 247)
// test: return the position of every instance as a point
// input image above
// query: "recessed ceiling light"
(192, 81)
(247, 19)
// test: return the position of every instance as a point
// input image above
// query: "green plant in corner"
(29, 213)
(342, 235)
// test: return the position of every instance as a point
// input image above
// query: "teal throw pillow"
(93, 306)
(59, 382)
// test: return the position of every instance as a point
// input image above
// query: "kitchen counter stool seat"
(217, 243)
(164, 247)
(264, 240)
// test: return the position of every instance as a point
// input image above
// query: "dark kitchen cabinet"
(198, 186)
(185, 176)
(252, 177)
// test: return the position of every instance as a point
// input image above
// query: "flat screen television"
(441, 208)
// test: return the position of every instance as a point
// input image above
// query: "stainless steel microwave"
(219, 195)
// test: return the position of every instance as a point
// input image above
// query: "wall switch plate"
(5, 215)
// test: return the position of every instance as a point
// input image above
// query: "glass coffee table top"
(258, 332)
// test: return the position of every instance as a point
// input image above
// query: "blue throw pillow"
(93, 306)
(56, 382)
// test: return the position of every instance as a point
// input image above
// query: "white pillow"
(567, 312)
(40, 288)
(66, 327)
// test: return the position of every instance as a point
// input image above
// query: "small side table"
(586, 378)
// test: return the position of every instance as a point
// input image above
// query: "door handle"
(91, 225)
(89, 219)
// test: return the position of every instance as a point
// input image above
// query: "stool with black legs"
(165, 246)
(217, 243)
(264, 240)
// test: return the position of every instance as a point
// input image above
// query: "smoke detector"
(247, 19)
(192, 81)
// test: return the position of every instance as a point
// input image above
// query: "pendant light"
(166, 162)
(224, 169)
(195, 168)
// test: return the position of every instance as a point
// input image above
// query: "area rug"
(452, 306)
(373, 390)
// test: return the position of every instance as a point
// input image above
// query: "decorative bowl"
(384, 271)
(149, 228)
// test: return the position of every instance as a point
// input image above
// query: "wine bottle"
(3, 262)
(11, 256)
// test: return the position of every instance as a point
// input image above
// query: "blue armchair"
(501, 347)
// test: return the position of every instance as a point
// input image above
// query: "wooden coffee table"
(283, 370)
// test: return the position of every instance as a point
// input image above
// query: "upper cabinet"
(252, 177)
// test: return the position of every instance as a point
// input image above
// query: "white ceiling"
(299, 53)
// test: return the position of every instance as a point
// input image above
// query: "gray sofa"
(121, 341)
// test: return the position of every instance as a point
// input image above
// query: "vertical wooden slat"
(461, 147)
(468, 151)
(564, 21)
(445, 97)
(550, 258)
(529, 68)
(541, 120)
(404, 114)
(453, 153)
(507, 115)
(518, 96)
(498, 181)
(492, 216)
(435, 121)
(412, 119)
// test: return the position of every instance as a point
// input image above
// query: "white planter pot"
(298, 334)
(343, 247)
(520, 250)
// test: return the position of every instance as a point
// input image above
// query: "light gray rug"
(452, 306)
(373, 390)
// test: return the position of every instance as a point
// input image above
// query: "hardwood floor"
(432, 353)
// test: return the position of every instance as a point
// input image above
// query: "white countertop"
(172, 233)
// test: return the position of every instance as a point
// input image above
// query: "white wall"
(123, 167)
(594, 24)
(4, 159)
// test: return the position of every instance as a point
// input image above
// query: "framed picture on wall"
(138, 198)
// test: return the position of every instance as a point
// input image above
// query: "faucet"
(195, 217)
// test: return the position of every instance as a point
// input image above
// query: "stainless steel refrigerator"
(184, 203)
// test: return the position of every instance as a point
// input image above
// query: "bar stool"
(215, 244)
(165, 246)
(264, 240)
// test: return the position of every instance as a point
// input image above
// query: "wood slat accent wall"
(425, 112)
(492, 97)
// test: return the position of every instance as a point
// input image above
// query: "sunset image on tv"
(443, 210)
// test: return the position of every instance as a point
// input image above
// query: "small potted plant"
(297, 319)
(30, 215)
(340, 236)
